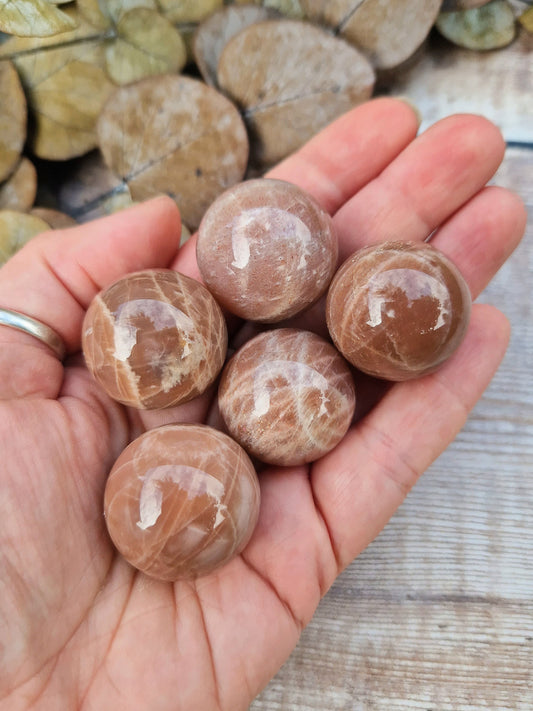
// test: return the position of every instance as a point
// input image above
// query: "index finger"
(350, 152)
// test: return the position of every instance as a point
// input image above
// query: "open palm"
(79, 628)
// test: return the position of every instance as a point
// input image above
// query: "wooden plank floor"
(437, 614)
(499, 84)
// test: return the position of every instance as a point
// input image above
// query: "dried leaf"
(333, 13)
(57, 220)
(128, 47)
(91, 11)
(15, 47)
(187, 32)
(387, 32)
(454, 5)
(390, 32)
(114, 203)
(33, 18)
(189, 10)
(489, 27)
(12, 119)
(116, 9)
(37, 58)
(147, 44)
(291, 79)
(18, 192)
(92, 190)
(17, 228)
(174, 135)
(526, 20)
(66, 102)
(215, 32)
(105, 14)
(289, 8)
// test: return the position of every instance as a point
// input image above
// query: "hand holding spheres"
(182, 500)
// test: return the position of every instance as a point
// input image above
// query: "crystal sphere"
(181, 501)
(398, 310)
(266, 250)
(154, 338)
(287, 396)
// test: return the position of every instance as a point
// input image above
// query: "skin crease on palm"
(79, 628)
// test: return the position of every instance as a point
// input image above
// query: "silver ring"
(35, 328)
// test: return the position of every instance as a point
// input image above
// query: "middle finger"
(430, 180)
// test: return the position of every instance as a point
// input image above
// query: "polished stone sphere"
(154, 338)
(181, 501)
(266, 250)
(287, 396)
(398, 310)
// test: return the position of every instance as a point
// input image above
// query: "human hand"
(79, 628)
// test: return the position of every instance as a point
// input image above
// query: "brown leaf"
(105, 14)
(289, 8)
(387, 32)
(65, 87)
(92, 190)
(488, 27)
(215, 32)
(12, 119)
(332, 13)
(291, 79)
(66, 101)
(187, 31)
(147, 44)
(17, 228)
(526, 19)
(32, 18)
(189, 10)
(15, 47)
(57, 220)
(453, 5)
(116, 9)
(18, 192)
(174, 135)
(91, 11)
(37, 58)
(141, 44)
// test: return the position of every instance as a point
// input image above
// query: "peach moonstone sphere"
(181, 500)
(154, 338)
(287, 396)
(397, 310)
(266, 250)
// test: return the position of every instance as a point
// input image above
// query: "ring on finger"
(35, 328)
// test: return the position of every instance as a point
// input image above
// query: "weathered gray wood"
(437, 614)
(497, 84)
